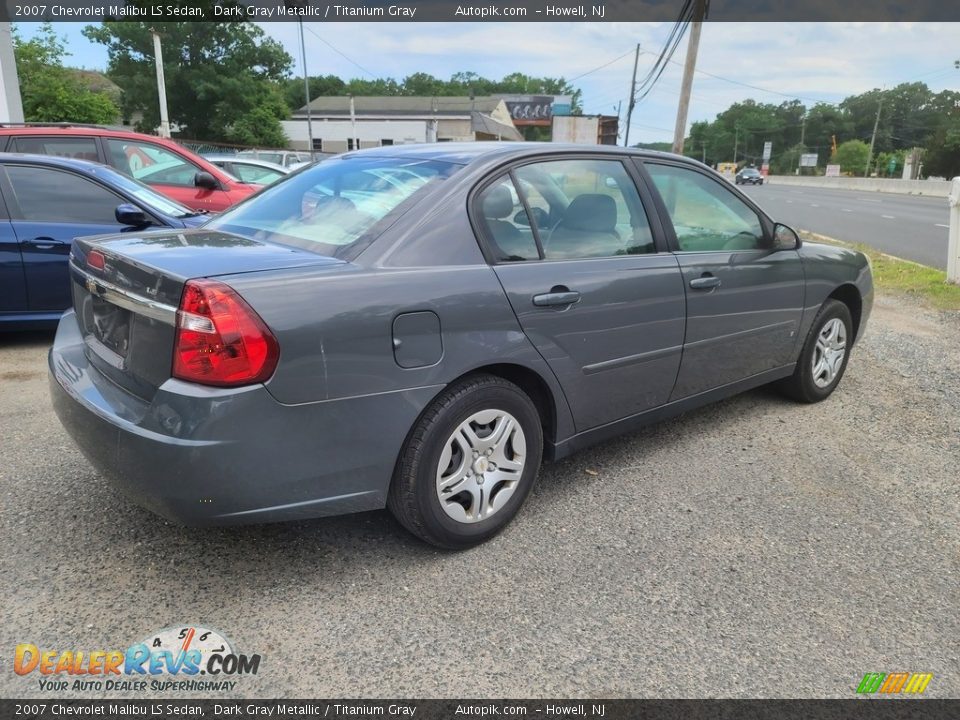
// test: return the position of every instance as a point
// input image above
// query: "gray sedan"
(419, 327)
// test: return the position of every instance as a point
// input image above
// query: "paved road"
(908, 226)
(755, 548)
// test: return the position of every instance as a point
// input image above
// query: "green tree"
(224, 80)
(48, 91)
(320, 85)
(942, 157)
(852, 156)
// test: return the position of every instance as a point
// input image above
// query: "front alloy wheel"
(824, 356)
(829, 352)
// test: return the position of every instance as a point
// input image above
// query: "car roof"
(464, 153)
(53, 161)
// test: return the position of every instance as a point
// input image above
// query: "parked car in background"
(749, 176)
(397, 327)
(278, 157)
(163, 164)
(249, 170)
(45, 202)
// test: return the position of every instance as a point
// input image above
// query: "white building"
(399, 120)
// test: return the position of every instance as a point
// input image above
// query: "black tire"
(801, 385)
(413, 497)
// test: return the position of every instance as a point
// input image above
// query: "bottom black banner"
(854, 709)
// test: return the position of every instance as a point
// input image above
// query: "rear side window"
(506, 223)
(82, 148)
(585, 209)
(47, 195)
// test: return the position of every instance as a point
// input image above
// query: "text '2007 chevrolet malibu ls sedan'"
(418, 327)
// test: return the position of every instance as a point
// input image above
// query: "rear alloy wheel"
(469, 463)
(823, 359)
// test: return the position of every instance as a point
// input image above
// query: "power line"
(338, 52)
(666, 53)
(601, 67)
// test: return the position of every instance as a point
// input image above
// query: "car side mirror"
(127, 214)
(785, 238)
(206, 181)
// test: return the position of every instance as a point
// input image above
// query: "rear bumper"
(210, 456)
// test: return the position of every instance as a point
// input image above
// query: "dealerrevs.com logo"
(184, 659)
(894, 683)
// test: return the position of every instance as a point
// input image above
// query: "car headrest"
(592, 212)
(498, 203)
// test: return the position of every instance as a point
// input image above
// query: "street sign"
(832, 171)
(808, 160)
(767, 149)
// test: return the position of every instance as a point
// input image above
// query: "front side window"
(334, 207)
(56, 196)
(706, 216)
(585, 209)
(150, 163)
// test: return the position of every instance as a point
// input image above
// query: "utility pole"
(736, 142)
(633, 92)
(703, 145)
(803, 135)
(619, 108)
(693, 44)
(161, 85)
(306, 88)
(11, 106)
(353, 125)
(873, 138)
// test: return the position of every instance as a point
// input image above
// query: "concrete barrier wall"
(930, 188)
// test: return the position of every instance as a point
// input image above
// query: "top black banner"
(484, 11)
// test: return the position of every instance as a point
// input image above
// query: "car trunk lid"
(126, 290)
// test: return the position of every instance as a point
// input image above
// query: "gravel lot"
(752, 548)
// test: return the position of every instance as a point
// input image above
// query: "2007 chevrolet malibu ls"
(418, 327)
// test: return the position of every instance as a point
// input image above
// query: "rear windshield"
(336, 207)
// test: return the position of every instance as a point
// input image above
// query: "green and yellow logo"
(893, 683)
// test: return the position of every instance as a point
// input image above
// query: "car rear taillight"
(96, 260)
(220, 339)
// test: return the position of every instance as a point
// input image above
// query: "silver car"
(419, 327)
(249, 170)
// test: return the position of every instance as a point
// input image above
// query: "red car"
(163, 164)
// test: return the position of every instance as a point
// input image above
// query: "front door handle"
(45, 243)
(705, 282)
(555, 297)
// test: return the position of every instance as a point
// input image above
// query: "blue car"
(46, 202)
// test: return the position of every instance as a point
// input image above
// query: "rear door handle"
(45, 243)
(559, 297)
(705, 282)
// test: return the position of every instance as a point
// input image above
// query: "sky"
(782, 61)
